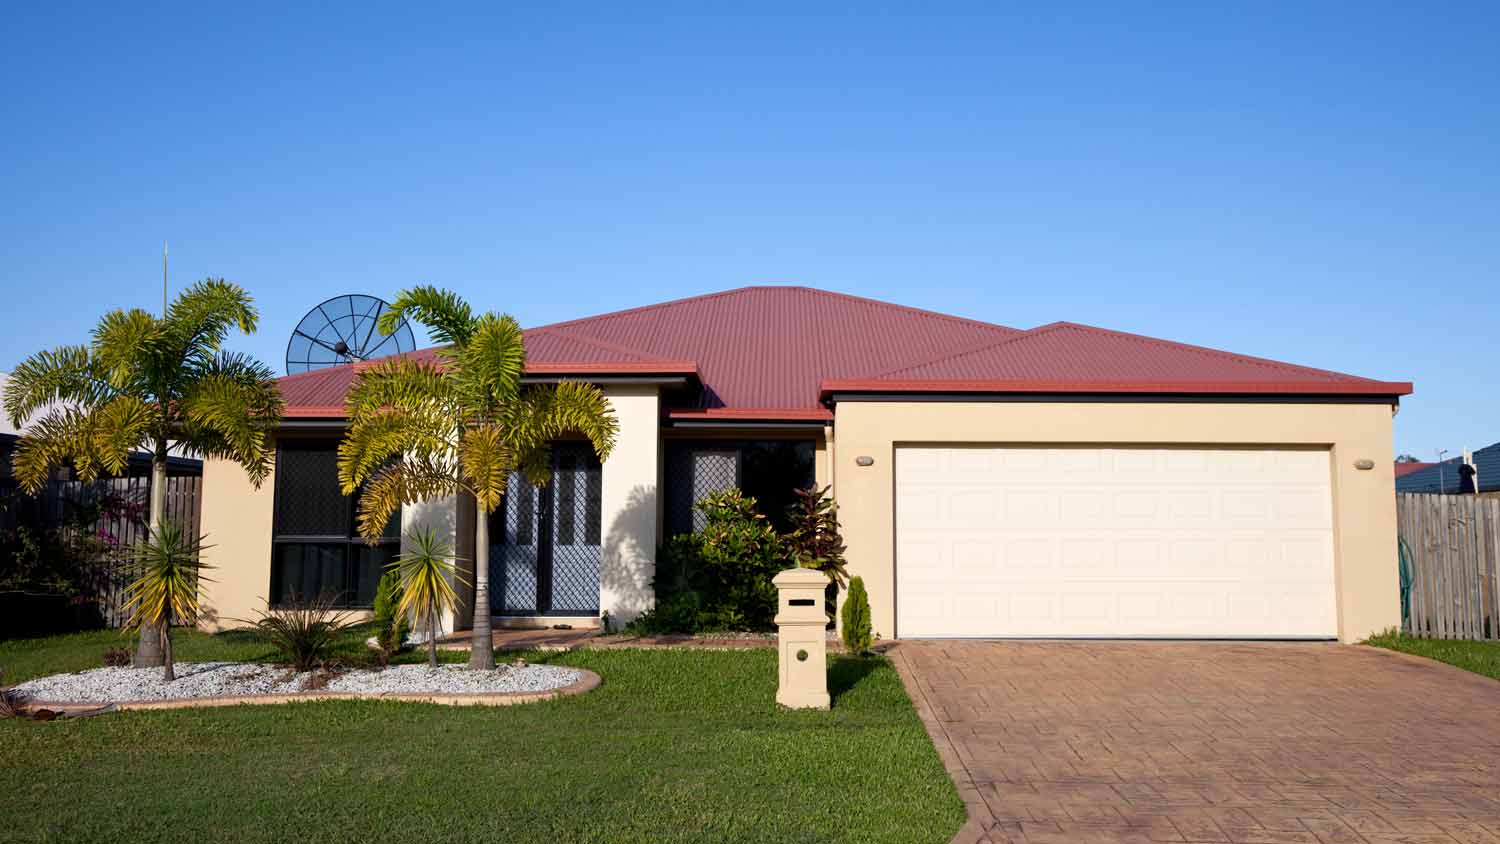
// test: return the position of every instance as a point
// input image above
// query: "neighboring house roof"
(776, 353)
(1407, 468)
(1443, 477)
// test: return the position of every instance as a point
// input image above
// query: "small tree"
(424, 572)
(155, 382)
(464, 423)
(856, 615)
(390, 623)
(167, 587)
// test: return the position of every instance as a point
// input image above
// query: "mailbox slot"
(801, 602)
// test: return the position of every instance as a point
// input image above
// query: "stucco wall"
(1364, 503)
(237, 520)
(630, 504)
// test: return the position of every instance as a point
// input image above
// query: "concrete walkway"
(1187, 742)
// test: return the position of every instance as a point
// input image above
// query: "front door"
(546, 551)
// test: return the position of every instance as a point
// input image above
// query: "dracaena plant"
(426, 571)
(166, 589)
(148, 382)
(462, 423)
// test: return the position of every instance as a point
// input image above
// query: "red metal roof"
(775, 352)
(1066, 357)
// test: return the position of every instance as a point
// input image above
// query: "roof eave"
(829, 389)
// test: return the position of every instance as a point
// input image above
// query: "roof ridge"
(750, 287)
(898, 307)
(643, 308)
(1022, 335)
(1220, 353)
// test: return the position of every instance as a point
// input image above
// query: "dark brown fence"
(121, 523)
(1452, 548)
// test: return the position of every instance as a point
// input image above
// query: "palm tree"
(420, 430)
(147, 381)
(424, 572)
(167, 587)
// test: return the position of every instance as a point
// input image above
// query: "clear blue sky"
(1319, 185)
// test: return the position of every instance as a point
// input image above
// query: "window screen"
(317, 551)
(767, 470)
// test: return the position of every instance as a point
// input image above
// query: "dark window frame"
(350, 543)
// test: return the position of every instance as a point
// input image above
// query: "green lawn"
(1478, 657)
(675, 746)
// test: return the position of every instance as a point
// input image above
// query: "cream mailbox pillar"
(801, 643)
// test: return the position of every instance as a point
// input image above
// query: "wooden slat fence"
(1452, 543)
(121, 524)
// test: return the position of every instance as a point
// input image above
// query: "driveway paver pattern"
(1246, 743)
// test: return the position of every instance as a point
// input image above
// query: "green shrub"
(391, 625)
(856, 617)
(672, 614)
(720, 577)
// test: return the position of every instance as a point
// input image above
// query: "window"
(316, 550)
(766, 470)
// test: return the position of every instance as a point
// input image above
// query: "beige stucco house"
(1062, 481)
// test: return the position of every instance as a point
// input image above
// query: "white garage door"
(1189, 542)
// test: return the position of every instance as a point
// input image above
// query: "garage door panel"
(1114, 542)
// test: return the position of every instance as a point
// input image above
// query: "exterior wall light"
(1364, 465)
(864, 460)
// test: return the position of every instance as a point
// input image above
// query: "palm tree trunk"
(432, 638)
(481, 646)
(167, 674)
(148, 651)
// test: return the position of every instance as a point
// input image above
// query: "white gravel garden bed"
(241, 679)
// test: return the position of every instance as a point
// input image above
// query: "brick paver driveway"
(1082, 742)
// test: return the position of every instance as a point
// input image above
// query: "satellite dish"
(342, 331)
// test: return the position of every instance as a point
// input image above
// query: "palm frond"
(62, 436)
(126, 345)
(401, 482)
(489, 367)
(400, 383)
(535, 464)
(578, 408)
(118, 428)
(202, 316)
(230, 412)
(487, 462)
(548, 412)
(448, 317)
(376, 439)
(67, 374)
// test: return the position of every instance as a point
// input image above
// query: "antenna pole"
(164, 279)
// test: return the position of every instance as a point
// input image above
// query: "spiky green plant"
(426, 572)
(153, 382)
(169, 569)
(463, 423)
(304, 632)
